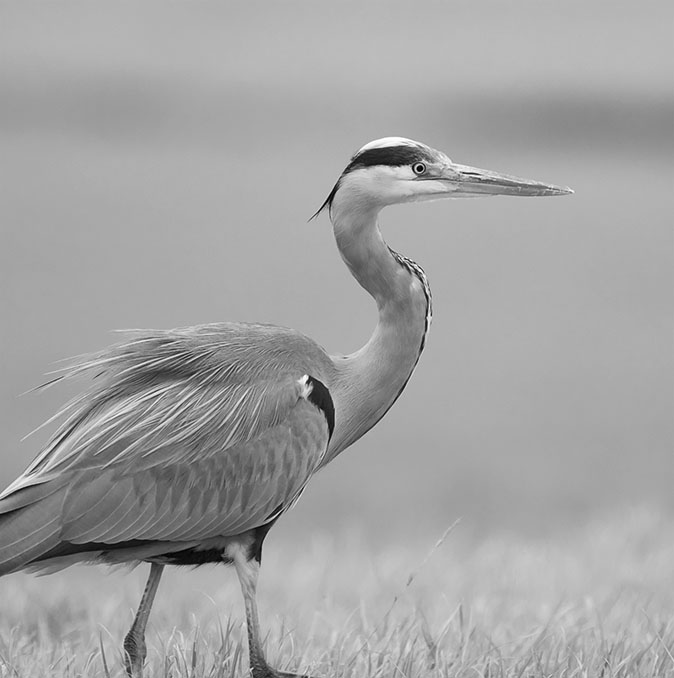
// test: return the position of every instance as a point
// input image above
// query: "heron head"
(397, 170)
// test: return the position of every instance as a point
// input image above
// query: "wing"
(186, 436)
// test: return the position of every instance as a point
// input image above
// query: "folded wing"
(185, 438)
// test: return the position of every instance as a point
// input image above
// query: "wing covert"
(178, 396)
(220, 495)
(186, 435)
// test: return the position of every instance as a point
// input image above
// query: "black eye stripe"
(393, 156)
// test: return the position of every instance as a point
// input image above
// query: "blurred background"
(159, 162)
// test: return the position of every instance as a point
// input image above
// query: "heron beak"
(473, 181)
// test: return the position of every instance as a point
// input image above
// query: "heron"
(189, 444)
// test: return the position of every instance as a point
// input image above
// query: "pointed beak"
(471, 181)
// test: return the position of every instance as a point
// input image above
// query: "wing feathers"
(214, 497)
(28, 533)
(184, 438)
(30, 494)
(89, 506)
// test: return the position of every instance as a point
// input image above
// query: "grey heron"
(190, 443)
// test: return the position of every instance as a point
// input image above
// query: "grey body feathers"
(185, 439)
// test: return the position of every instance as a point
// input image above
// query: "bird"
(189, 444)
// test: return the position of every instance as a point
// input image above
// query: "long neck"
(370, 380)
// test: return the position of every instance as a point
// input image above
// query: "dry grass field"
(598, 601)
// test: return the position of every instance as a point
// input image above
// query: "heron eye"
(419, 168)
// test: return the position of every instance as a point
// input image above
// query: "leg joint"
(134, 645)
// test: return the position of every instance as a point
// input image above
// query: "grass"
(594, 603)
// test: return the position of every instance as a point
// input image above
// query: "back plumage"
(186, 437)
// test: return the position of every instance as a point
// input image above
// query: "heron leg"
(134, 642)
(248, 570)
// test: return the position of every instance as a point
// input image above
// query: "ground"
(596, 601)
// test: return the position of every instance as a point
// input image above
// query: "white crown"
(385, 142)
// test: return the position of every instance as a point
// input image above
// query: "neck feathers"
(371, 379)
(414, 269)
